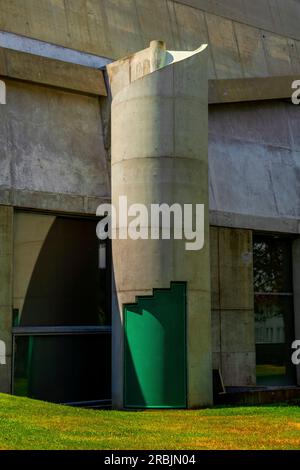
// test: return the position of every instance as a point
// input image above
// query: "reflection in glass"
(67, 287)
(274, 316)
(272, 265)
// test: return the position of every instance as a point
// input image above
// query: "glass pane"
(67, 287)
(272, 264)
(274, 335)
(63, 369)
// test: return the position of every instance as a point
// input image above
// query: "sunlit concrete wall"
(254, 159)
(252, 38)
(279, 16)
(52, 152)
(233, 332)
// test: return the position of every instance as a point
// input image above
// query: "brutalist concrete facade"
(55, 136)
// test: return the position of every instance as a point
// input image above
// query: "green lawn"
(31, 424)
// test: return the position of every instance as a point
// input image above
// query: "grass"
(32, 424)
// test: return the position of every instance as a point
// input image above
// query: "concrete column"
(236, 307)
(159, 155)
(6, 256)
(296, 282)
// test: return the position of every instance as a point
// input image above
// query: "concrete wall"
(279, 16)
(53, 153)
(233, 332)
(256, 38)
(254, 157)
(51, 143)
(55, 156)
(6, 252)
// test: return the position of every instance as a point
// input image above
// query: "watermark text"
(159, 221)
(296, 94)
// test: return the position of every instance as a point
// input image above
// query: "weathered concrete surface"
(258, 145)
(159, 155)
(51, 141)
(248, 39)
(235, 269)
(52, 172)
(45, 71)
(233, 332)
(6, 254)
(238, 369)
(296, 286)
(224, 47)
(57, 202)
(281, 17)
(250, 89)
(52, 51)
(52, 159)
(283, 224)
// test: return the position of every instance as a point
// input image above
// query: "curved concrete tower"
(159, 155)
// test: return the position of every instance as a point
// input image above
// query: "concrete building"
(55, 170)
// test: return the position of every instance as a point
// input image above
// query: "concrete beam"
(253, 222)
(20, 43)
(40, 200)
(81, 204)
(51, 72)
(250, 89)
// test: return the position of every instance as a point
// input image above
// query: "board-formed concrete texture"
(47, 71)
(233, 335)
(113, 29)
(52, 142)
(258, 145)
(159, 155)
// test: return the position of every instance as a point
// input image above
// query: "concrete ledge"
(268, 224)
(79, 204)
(38, 200)
(250, 89)
(51, 72)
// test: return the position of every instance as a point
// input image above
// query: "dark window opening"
(274, 313)
(62, 335)
(64, 368)
(67, 286)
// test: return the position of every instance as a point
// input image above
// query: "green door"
(155, 350)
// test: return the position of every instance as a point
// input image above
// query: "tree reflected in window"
(273, 305)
